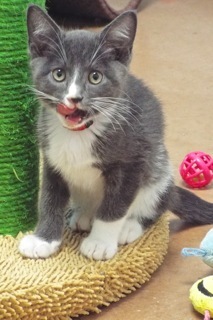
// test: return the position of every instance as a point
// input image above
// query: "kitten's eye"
(95, 77)
(59, 75)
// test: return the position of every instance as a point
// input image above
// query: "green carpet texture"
(18, 148)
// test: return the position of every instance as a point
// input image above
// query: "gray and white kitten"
(101, 135)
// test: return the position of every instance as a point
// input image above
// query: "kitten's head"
(80, 74)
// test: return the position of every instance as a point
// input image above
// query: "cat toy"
(196, 169)
(201, 296)
(201, 293)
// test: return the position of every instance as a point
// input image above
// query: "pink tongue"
(64, 110)
(74, 118)
(70, 114)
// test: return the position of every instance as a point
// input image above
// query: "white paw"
(98, 249)
(131, 231)
(80, 222)
(33, 247)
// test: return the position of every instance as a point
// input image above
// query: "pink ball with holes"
(197, 169)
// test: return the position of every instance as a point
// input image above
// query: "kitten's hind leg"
(80, 221)
(84, 207)
(131, 231)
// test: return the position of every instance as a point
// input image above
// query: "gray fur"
(130, 152)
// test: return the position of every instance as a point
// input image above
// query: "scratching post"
(18, 150)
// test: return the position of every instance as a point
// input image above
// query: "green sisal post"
(18, 149)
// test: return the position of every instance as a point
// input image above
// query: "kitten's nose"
(75, 100)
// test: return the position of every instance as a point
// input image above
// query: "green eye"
(59, 75)
(95, 77)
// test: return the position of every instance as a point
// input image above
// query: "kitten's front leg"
(102, 242)
(48, 234)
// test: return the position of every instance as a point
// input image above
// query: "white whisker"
(130, 99)
(119, 107)
(99, 46)
(123, 100)
(101, 55)
(104, 113)
(43, 95)
(61, 46)
(111, 114)
(54, 46)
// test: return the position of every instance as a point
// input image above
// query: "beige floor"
(173, 53)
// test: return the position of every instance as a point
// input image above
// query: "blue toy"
(201, 293)
(205, 251)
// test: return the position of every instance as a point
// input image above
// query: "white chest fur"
(70, 153)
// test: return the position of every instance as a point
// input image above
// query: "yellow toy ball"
(201, 296)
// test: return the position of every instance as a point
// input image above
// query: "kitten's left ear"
(120, 35)
(42, 31)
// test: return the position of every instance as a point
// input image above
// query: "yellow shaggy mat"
(69, 284)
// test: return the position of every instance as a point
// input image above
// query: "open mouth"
(75, 118)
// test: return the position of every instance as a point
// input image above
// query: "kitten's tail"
(189, 207)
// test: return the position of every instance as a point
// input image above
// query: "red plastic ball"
(197, 169)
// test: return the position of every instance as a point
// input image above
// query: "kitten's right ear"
(119, 35)
(42, 31)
